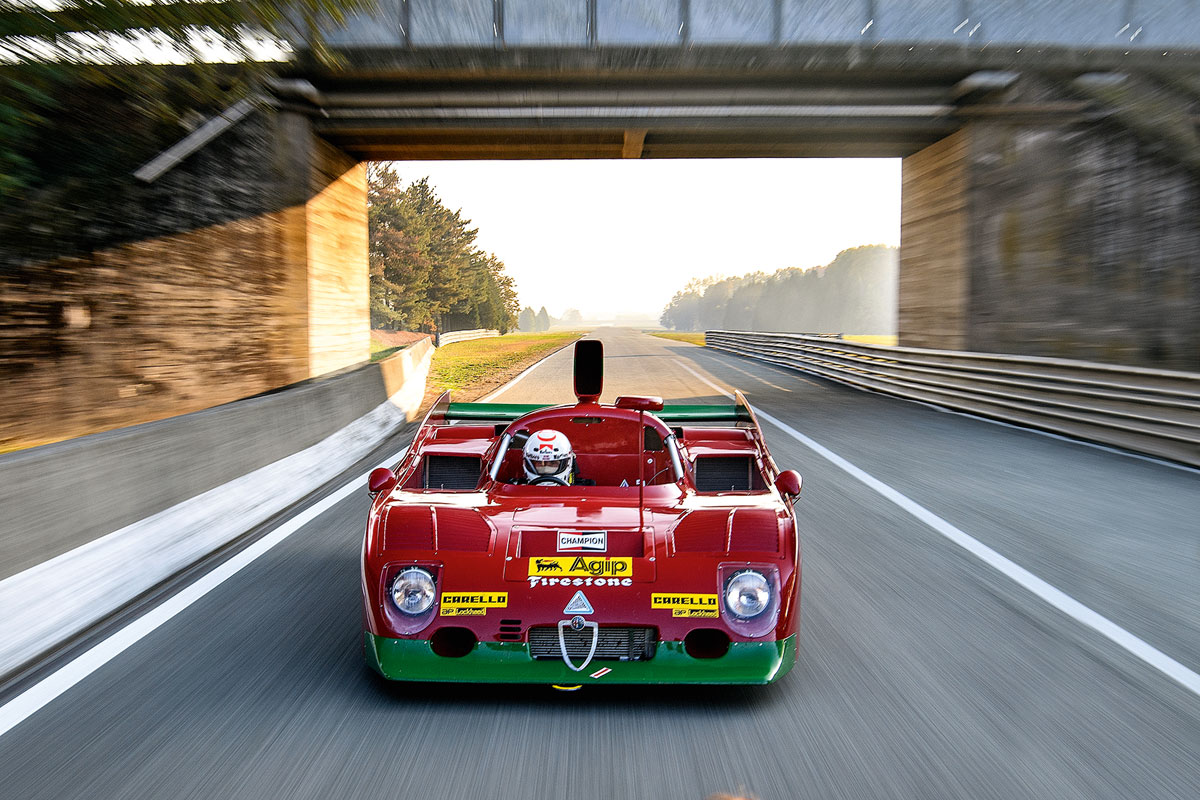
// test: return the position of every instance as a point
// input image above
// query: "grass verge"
(690, 338)
(472, 369)
(380, 353)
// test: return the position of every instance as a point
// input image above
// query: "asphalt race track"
(923, 673)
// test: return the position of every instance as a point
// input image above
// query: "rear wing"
(674, 414)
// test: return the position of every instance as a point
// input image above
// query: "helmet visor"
(550, 467)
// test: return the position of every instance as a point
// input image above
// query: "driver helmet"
(548, 453)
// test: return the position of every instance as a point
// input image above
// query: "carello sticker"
(581, 566)
(576, 542)
(471, 604)
(686, 605)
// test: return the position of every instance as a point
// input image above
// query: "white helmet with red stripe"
(548, 454)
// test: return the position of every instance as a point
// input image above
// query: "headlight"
(747, 594)
(413, 591)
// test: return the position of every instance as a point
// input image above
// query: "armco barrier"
(450, 337)
(1150, 411)
(91, 523)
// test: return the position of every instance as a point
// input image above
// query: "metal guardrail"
(1150, 411)
(465, 336)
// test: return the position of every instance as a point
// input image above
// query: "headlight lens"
(747, 594)
(413, 591)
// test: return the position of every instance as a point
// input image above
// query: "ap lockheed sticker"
(686, 605)
(576, 542)
(471, 604)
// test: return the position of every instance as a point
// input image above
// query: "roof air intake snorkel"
(589, 370)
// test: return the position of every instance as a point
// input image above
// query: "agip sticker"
(471, 604)
(581, 566)
(686, 605)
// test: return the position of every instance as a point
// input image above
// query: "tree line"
(529, 321)
(855, 293)
(425, 272)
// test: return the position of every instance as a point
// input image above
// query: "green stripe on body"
(510, 662)
(671, 414)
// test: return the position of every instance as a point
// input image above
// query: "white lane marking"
(760, 380)
(1023, 577)
(44, 691)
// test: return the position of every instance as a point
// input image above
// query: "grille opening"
(706, 643)
(452, 473)
(612, 643)
(724, 474)
(452, 642)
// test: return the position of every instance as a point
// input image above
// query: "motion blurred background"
(212, 203)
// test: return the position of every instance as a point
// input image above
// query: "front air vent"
(452, 473)
(408, 528)
(612, 644)
(724, 473)
(701, 531)
(462, 529)
(754, 529)
(510, 630)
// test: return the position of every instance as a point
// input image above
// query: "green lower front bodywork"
(510, 662)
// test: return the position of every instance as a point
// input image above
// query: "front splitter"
(510, 662)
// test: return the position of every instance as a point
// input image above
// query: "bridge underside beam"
(830, 142)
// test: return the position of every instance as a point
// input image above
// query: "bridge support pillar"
(934, 252)
(1061, 235)
(324, 232)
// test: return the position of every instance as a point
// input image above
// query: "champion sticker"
(576, 542)
(686, 605)
(581, 566)
(471, 604)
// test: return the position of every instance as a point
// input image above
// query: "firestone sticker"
(581, 566)
(471, 604)
(686, 605)
(536, 581)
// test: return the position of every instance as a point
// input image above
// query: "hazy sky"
(624, 236)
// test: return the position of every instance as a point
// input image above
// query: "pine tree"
(543, 320)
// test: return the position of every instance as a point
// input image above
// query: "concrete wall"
(61, 495)
(196, 308)
(934, 255)
(63, 571)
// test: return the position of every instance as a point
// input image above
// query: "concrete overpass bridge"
(1050, 181)
(1014, 119)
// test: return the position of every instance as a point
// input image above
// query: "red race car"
(627, 543)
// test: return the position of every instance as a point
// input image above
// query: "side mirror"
(788, 483)
(380, 479)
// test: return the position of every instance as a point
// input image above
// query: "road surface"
(924, 672)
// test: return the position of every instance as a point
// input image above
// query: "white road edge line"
(30, 701)
(1062, 601)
